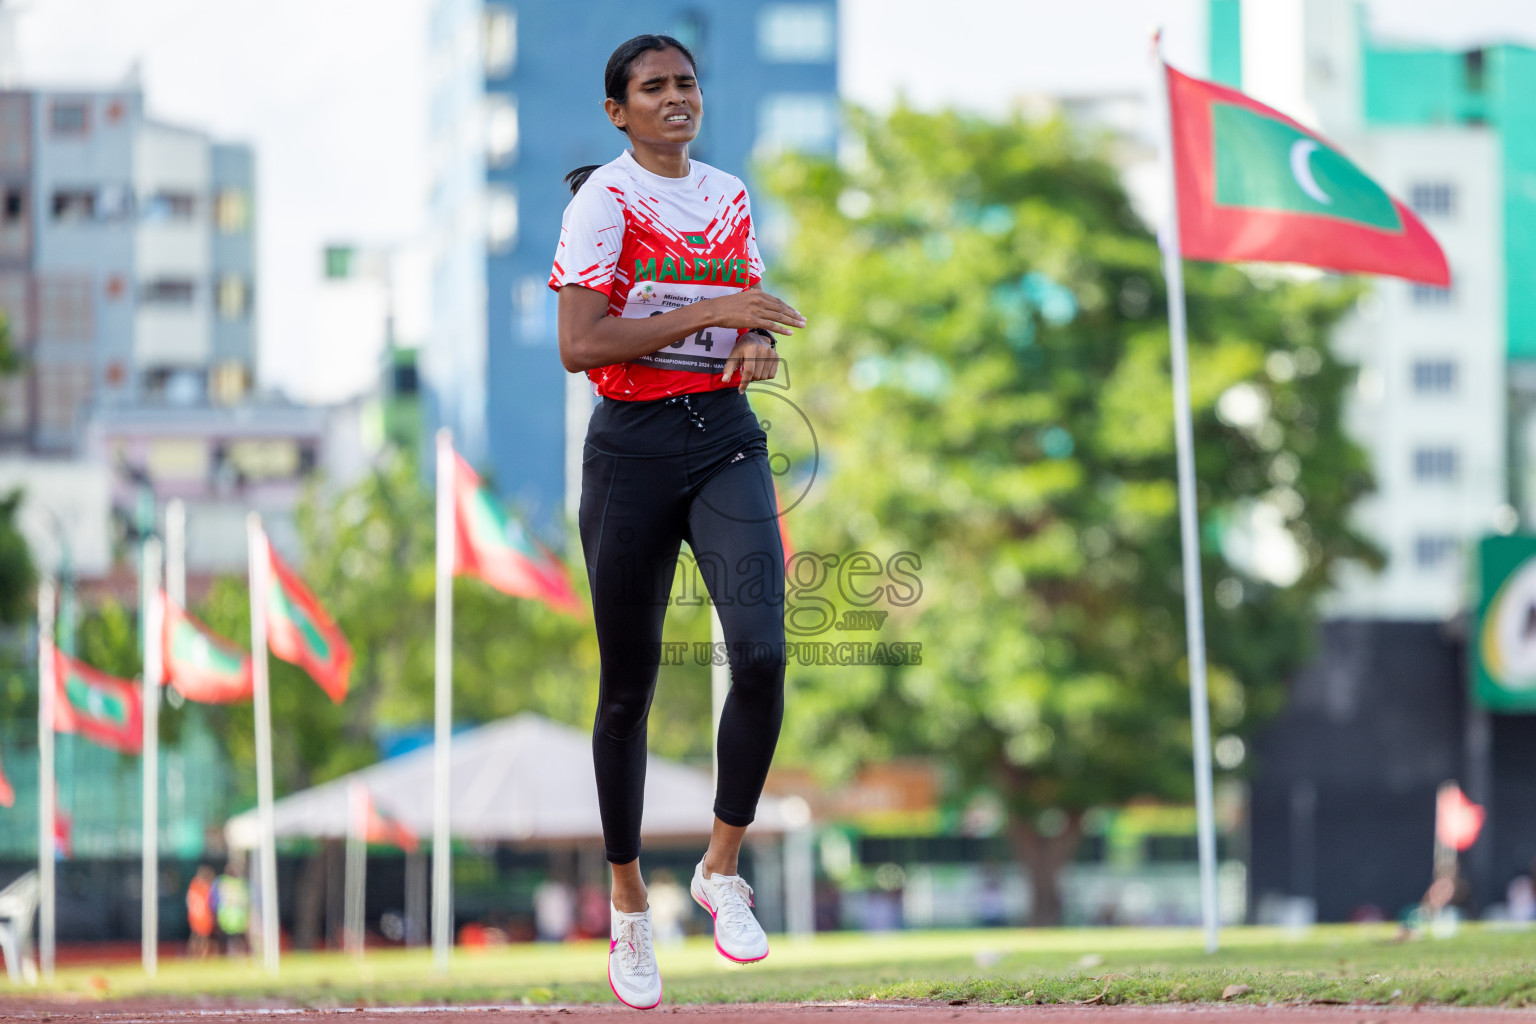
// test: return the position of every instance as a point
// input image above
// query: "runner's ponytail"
(579, 176)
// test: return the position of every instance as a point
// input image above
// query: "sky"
(332, 93)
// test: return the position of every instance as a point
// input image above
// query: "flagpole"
(149, 882)
(46, 795)
(1189, 529)
(260, 562)
(354, 884)
(442, 853)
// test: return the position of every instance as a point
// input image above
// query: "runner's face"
(664, 104)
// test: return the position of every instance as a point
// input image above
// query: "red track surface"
(58, 1012)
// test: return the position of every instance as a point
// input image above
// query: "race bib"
(701, 352)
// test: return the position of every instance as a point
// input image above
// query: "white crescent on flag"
(1301, 170)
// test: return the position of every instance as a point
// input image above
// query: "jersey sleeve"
(754, 259)
(591, 235)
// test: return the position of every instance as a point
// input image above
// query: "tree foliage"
(369, 558)
(986, 368)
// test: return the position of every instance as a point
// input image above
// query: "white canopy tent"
(520, 779)
(527, 779)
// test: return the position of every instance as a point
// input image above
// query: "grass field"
(1342, 963)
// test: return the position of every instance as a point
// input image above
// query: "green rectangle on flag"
(1268, 164)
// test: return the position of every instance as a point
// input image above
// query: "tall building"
(1444, 404)
(127, 263)
(1449, 132)
(517, 103)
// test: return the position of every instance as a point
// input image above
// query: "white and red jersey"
(653, 244)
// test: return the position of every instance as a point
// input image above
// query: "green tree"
(987, 372)
(370, 552)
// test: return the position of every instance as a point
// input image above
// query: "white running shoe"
(728, 898)
(632, 972)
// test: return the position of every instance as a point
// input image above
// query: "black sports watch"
(767, 336)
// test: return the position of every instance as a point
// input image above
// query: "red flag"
(7, 794)
(496, 547)
(378, 827)
(1255, 185)
(102, 708)
(300, 631)
(201, 665)
(63, 832)
(1457, 819)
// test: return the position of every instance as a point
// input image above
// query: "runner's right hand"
(755, 308)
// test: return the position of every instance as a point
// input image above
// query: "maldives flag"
(102, 708)
(496, 547)
(301, 632)
(1255, 185)
(201, 665)
(7, 794)
(378, 827)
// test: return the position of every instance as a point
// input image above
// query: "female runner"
(658, 275)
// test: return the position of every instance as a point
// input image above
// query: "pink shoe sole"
(620, 998)
(701, 901)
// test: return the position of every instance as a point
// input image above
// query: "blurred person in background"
(232, 908)
(200, 912)
(669, 907)
(554, 910)
(661, 305)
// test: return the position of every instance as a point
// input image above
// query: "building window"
(1429, 295)
(234, 297)
(803, 121)
(1433, 550)
(16, 131)
(501, 129)
(1434, 376)
(167, 291)
(1435, 465)
(500, 218)
(797, 33)
(1433, 199)
(68, 117)
(62, 390)
(74, 205)
(14, 208)
(228, 382)
(64, 310)
(168, 205)
(499, 40)
(232, 211)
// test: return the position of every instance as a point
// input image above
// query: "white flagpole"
(260, 561)
(176, 552)
(1194, 600)
(355, 882)
(149, 883)
(46, 796)
(442, 852)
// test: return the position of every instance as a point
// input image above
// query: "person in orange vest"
(200, 912)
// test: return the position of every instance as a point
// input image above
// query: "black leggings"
(655, 474)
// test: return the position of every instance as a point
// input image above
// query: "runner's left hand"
(754, 358)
